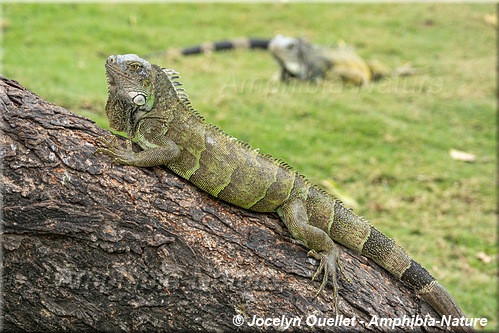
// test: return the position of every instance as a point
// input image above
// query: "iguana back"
(223, 166)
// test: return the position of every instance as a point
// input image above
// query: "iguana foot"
(329, 263)
(122, 155)
(109, 140)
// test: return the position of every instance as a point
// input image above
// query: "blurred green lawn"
(387, 145)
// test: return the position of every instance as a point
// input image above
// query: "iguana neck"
(168, 100)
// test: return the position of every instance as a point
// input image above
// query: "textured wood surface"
(93, 246)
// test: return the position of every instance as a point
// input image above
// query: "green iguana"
(148, 103)
(299, 59)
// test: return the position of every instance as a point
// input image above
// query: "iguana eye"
(139, 99)
(135, 66)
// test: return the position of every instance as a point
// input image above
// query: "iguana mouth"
(110, 80)
(112, 86)
(110, 72)
(114, 71)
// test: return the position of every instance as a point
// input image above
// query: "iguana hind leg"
(352, 75)
(322, 247)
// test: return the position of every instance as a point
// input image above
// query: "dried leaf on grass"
(462, 156)
(484, 257)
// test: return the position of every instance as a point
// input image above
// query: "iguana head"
(130, 79)
(291, 54)
(297, 58)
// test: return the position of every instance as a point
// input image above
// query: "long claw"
(109, 141)
(112, 146)
(110, 152)
(121, 155)
(329, 263)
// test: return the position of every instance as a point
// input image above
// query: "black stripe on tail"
(259, 43)
(224, 45)
(379, 248)
(416, 276)
(192, 50)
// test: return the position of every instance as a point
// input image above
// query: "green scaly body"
(146, 102)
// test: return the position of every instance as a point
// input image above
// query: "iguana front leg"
(322, 247)
(165, 153)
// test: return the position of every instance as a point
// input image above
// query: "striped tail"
(224, 45)
(371, 243)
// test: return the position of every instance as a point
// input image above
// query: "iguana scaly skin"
(298, 59)
(148, 104)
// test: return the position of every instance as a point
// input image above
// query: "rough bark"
(93, 246)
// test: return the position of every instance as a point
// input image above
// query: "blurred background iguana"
(300, 59)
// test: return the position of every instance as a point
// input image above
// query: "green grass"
(386, 145)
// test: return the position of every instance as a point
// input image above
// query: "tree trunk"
(89, 245)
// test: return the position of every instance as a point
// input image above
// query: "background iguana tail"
(224, 45)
